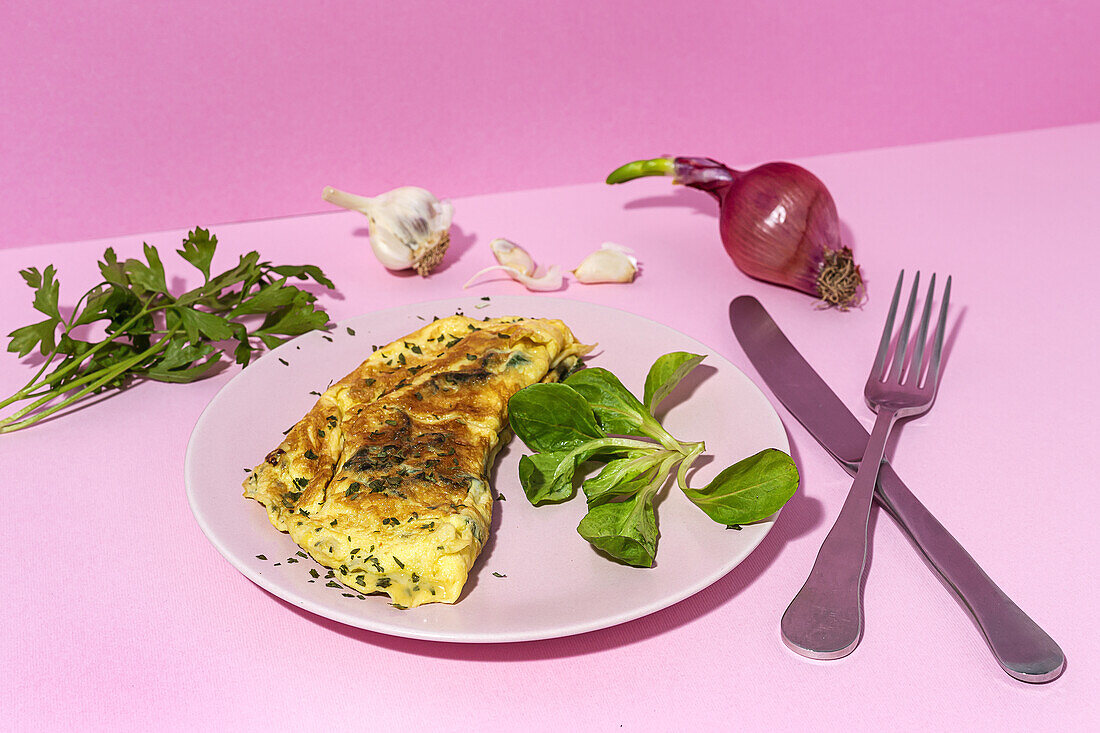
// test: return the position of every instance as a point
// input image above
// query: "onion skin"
(782, 231)
(778, 223)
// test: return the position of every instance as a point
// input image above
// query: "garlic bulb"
(409, 227)
(611, 263)
(519, 265)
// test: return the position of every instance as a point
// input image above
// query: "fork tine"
(937, 349)
(903, 334)
(884, 343)
(917, 359)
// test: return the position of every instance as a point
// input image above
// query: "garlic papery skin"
(512, 255)
(409, 227)
(551, 279)
(520, 266)
(611, 263)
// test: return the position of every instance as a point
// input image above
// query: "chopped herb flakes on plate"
(556, 584)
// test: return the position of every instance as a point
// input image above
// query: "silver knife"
(1020, 646)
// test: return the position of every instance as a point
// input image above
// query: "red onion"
(778, 222)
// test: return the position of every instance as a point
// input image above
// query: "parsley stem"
(69, 325)
(24, 393)
(191, 331)
(65, 369)
(100, 377)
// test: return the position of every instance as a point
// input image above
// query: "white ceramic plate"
(536, 578)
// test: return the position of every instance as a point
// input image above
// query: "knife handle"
(1020, 646)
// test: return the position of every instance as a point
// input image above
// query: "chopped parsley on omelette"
(385, 480)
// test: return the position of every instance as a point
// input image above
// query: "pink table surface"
(120, 614)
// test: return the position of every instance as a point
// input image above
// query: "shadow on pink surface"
(679, 197)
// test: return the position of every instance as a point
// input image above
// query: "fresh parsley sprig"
(593, 417)
(149, 332)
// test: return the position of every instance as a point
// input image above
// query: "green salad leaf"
(593, 418)
(552, 417)
(752, 489)
(626, 530)
(617, 410)
(667, 372)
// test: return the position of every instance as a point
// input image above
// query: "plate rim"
(427, 634)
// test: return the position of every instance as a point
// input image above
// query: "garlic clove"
(409, 227)
(611, 263)
(512, 255)
(520, 266)
(550, 279)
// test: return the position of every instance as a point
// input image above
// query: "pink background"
(121, 122)
(119, 614)
(123, 117)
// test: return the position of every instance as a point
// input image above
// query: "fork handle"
(825, 619)
(1019, 645)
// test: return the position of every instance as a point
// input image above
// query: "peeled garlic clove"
(551, 279)
(512, 255)
(611, 263)
(409, 227)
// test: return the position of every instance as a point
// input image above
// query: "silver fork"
(825, 619)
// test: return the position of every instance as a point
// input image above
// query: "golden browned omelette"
(385, 479)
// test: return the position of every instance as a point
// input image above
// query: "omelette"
(385, 479)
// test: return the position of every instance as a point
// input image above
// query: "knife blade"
(1019, 645)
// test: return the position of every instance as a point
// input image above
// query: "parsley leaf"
(151, 333)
